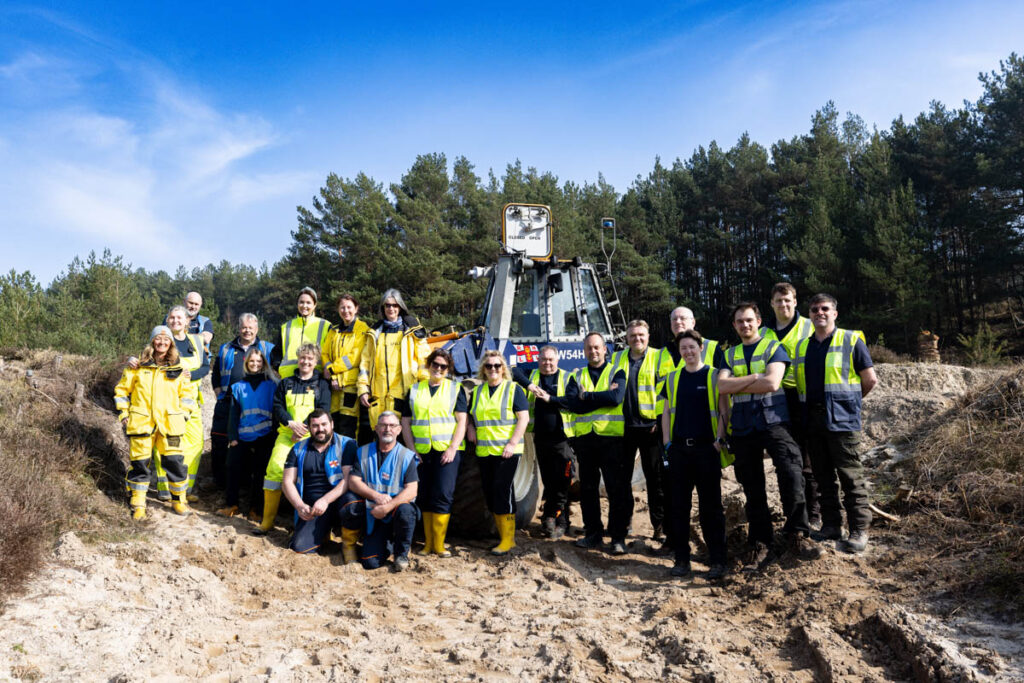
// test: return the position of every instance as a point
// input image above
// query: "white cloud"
(243, 190)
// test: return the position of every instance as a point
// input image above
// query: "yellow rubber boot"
(428, 534)
(180, 506)
(271, 501)
(349, 538)
(506, 532)
(440, 524)
(138, 504)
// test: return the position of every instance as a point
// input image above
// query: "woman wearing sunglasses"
(500, 414)
(434, 425)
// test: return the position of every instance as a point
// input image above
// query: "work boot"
(547, 525)
(180, 506)
(428, 534)
(192, 498)
(349, 538)
(228, 511)
(680, 570)
(557, 533)
(254, 516)
(440, 526)
(857, 541)
(758, 556)
(659, 535)
(401, 563)
(617, 547)
(271, 501)
(506, 533)
(830, 533)
(589, 541)
(802, 547)
(716, 572)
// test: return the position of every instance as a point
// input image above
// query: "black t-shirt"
(461, 402)
(631, 401)
(519, 400)
(693, 419)
(717, 358)
(814, 365)
(314, 476)
(780, 334)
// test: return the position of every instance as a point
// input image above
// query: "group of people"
(363, 429)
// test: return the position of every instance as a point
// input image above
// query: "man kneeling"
(315, 479)
(385, 479)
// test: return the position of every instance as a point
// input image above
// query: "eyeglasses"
(820, 309)
(391, 306)
(388, 425)
(492, 366)
(439, 366)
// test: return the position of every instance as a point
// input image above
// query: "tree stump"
(928, 347)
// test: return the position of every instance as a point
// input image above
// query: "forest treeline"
(918, 226)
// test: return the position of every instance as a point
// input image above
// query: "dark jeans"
(602, 456)
(357, 428)
(798, 430)
(496, 475)
(836, 454)
(309, 535)
(701, 467)
(648, 443)
(785, 454)
(554, 455)
(392, 535)
(247, 463)
(437, 482)
(219, 442)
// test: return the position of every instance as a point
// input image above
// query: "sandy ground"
(202, 598)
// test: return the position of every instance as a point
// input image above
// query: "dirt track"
(200, 597)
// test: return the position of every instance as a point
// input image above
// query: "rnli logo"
(385, 476)
(333, 463)
(527, 353)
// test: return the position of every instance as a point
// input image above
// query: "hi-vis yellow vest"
(495, 420)
(744, 406)
(295, 333)
(195, 361)
(607, 421)
(568, 419)
(842, 383)
(801, 330)
(672, 383)
(647, 380)
(433, 417)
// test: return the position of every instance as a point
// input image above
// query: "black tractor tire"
(470, 516)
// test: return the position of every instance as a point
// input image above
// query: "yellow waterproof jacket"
(391, 363)
(342, 354)
(155, 398)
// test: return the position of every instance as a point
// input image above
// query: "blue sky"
(187, 133)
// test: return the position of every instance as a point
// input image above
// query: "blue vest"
(388, 477)
(227, 362)
(332, 461)
(256, 408)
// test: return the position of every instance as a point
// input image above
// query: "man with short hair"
(753, 377)
(315, 478)
(596, 397)
(228, 368)
(552, 426)
(385, 478)
(680, 320)
(833, 372)
(640, 364)
(198, 324)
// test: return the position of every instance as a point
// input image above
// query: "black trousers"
(219, 441)
(437, 482)
(785, 454)
(697, 467)
(247, 463)
(648, 443)
(602, 456)
(797, 429)
(496, 475)
(353, 427)
(836, 455)
(554, 456)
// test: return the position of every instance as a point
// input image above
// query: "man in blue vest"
(228, 368)
(833, 372)
(753, 377)
(385, 479)
(315, 479)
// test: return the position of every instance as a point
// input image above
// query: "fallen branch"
(48, 397)
(881, 513)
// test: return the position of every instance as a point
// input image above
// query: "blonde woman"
(501, 413)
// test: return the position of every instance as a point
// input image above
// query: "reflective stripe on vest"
(387, 478)
(647, 383)
(801, 330)
(294, 334)
(773, 403)
(494, 418)
(842, 383)
(433, 417)
(568, 419)
(195, 361)
(299, 406)
(332, 460)
(607, 421)
(226, 363)
(672, 382)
